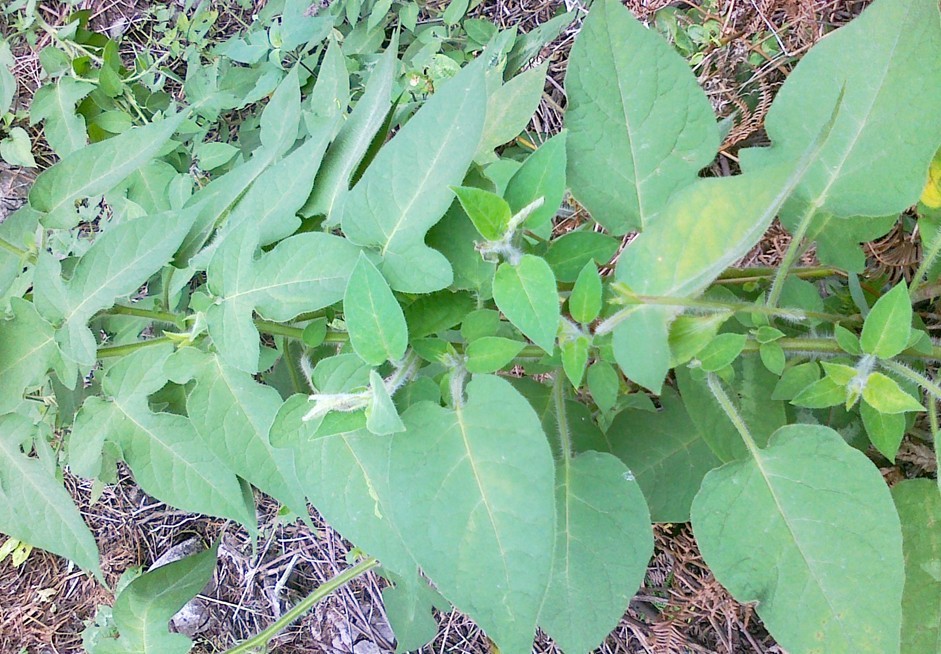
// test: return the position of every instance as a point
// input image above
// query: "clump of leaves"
(326, 316)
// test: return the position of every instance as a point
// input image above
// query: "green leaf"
(888, 325)
(374, 319)
(214, 154)
(637, 133)
(841, 373)
(491, 353)
(282, 115)
(405, 190)
(772, 355)
(456, 238)
(658, 263)
(527, 295)
(353, 139)
(34, 506)
(27, 350)
(542, 175)
(381, 416)
(603, 545)
(475, 495)
(95, 169)
(480, 323)
(821, 394)
(807, 530)
(454, 12)
(885, 395)
(887, 68)
(575, 358)
(232, 413)
(794, 380)
(919, 508)
(847, 340)
(168, 458)
(433, 313)
(489, 212)
(142, 610)
(604, 384)
(666, 453)
(7, 81)
(510, 108)
(63, 128)
(722, 351)
(569, 253)
(305, 272)
(585, 300)
(117, 264)
(886, 430)
(17, 149)
(409, 606)
(690, 334)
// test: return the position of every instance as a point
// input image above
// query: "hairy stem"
(12, 249)
(152, 314)
(261, 639)
(732, 413)
(561, 416)
(127, 348)
(927, 261)
(907, 373)
(794, 249)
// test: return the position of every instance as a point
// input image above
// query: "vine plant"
(330, 316)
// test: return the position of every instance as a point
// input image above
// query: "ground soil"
(45, 602)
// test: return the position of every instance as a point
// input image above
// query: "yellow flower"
(931, 196)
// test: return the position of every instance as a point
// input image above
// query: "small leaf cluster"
(357, 300)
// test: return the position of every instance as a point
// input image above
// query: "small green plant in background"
(318, 302)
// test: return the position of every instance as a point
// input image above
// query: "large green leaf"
(95, 169)
(888, 325)
(480, 516)
(34, 506)
(168, 458)
(353, 139)
(640, 127)
(143, 609)
(603, 545)
(119, 262)
(405, 190)
(667, 454)
(887, 65)
(27, 350)
(233, 413)
(807, 529)
(305, 272)
(919, 506)
(707, 227)
(374, 319)
(526, 293)
(55, 104)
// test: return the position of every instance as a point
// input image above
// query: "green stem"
(151, 314)
(561, 417)
(127, 348)
(743, 275)
(743, 307)
(926, 262)
(277, 329)
(907, 373)
(261, 639)
(793, 251)
(12, 249)
(729, 408)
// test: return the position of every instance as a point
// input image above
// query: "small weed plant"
(322, 302)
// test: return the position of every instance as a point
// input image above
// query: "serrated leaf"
(232, 414)
(34, 506)
(480, 516)
(374, 319)
(885, 395)
(63, 128)
(488, 211)
(95, 169)
(491, 353)
(542, 175)
(405, 190)
(919, 508)
(886, 65)
(888, 325)
(168, 458)
(585, 300)
(603, 545)
(806, 528)
(305, 272)
(666, 453)
(569, 253)
(654, 121)
(27, 350)
(144, 608)
(527, 295)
